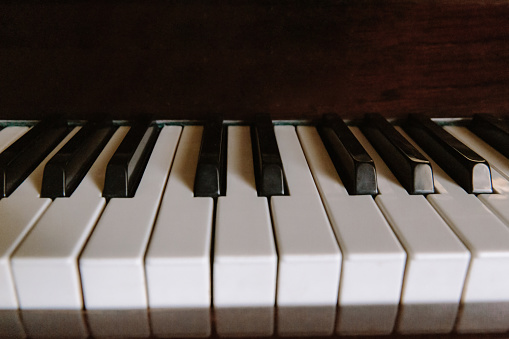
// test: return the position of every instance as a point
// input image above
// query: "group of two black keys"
(353, 164)
(64, 171)
(67, 168)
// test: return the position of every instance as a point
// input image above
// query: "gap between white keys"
(245, 260)
(45, 265)
(112, 263)
(499, 201)
(373, 259)
(487, 238)
(437, 261)
(178, 257)
(309, 256)
(19, 212)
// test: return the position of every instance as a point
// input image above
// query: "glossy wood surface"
(293, 59)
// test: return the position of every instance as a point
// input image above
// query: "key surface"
(485, 299)
(178, 256)
(19, 212)
(245, 261)
(125, 168)
(437, 261)
(309, 256)
(24, 155)
(64, 172)
(45, 265)
(267, 160)
(373, 259)
(492, 130)
(497, 203)
(112, 263)
(411, 168)
(462, 164)
(353, 164)
(495, 158)
(210, 180)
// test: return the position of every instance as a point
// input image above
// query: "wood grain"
(293, 59)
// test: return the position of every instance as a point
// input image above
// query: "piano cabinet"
(294, 60)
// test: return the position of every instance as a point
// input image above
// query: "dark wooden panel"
(293, 59)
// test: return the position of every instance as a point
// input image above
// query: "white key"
(485, 299)
(373, 259)
(437, 261)
(178, 257)
(45, 265)
(498, 203)
(245, 261)
(111, 266)
(494, 158)
(309, 256)
(9, 135)
(19, 212)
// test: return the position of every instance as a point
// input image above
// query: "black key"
(126, 166)
(210, 178)
(269, 172)
(462, 164)
(409, 166)
(65, 171)
(353, 164)
(492, 130)
(25, 154)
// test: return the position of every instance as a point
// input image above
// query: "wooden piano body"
(294, 60)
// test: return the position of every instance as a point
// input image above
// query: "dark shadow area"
(366, 319)
(244, 322)
(306, 321)
(54, 324)
(483, 317)
(118, 323)
(426, 318)
(180, 323)
(10, 324)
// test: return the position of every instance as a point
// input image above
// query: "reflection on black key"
(125, 169)
(409, 166)
(24, 155)
(65, 171)
(492, 130)
(352, 162)
(210, 179)
(462, 164)
(269, 173)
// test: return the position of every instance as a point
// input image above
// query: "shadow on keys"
(181, 322)
(250, 322)
(306, 321)
(54, 323)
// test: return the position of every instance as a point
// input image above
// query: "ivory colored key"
(45, 265)
(485, 298)
(498, 203)
(112, 263)
(178, 257)
(245, 261)
(437, 261)
(19, 212)
(373, 259)
(309, 256)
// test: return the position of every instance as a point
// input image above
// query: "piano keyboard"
(144, 229)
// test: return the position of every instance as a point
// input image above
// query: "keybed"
(283, 227)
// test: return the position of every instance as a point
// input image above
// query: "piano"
(87, 262)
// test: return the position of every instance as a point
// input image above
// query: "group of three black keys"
(66, 169)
